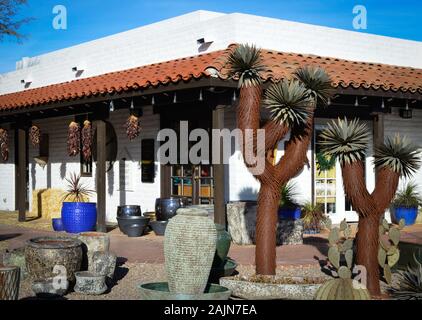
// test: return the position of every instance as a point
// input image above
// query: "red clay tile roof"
(343, 73)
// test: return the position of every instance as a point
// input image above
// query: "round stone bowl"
(159, 227)
(133, 226)
(160, 291)
(52, 256)
(90, 283)
(50, 288)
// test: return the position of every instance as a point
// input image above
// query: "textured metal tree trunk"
(367, 240)
(266, 227)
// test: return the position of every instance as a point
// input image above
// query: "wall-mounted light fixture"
(111, 106)
(234, 98)
(153, 100)
(356, 102)
(131, 105)
(382, 103)
(201, 98)
(406, 113)
(175, 98)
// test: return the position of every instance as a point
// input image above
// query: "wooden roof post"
(219, 171)
(101, 175)
(21, 177)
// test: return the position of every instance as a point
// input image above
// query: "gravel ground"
(130, 275)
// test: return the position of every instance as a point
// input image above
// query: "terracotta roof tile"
(280, 64)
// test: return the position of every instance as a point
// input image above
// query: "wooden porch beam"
(101, 175)
(21, 178)
(219, 171)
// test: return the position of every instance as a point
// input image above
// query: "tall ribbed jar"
(189, 246)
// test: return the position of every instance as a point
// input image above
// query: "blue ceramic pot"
(289, 213)
(408, 214)
(79, 216)
(57, 224)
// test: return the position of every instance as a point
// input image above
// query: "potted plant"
(313, 217)
(288, 207)
(78, 215)
(406, 204)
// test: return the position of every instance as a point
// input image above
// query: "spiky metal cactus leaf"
(288, 102)
(334, 256)
(344, 272)
(399, 155)
(402, 223)
(348, 244)
(245, 62)
(394, 234)
(349, 258)
(345, 140)
(382, 255)
(387, 274)
(317, 81)
(343, 225)
(385, 224)
(393, 258)
(381, 230)
(333, 235)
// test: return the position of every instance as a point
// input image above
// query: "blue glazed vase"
(291, 213)
(79, 216)
(57, 224)
(408, 214)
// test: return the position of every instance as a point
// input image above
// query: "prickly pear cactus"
(388, 251)
(341, 289)
(341, 246)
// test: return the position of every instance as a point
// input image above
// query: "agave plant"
(76, 191)
(313, 215)
(246, 63)
(288, 102)
(288, 193)
(345, 140)
(399, 154)
(409, 283)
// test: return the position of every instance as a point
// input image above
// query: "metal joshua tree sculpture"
(292, 103)
(347, 141)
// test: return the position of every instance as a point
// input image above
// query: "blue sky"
(91, 19)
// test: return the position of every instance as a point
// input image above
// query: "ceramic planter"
(166, 208)
(223, 246)
(9, 283)
(159, 227)
(407, 214)
(128, 211)
(90, 283)
(189, 246)
(79, 216)
(57, 224)
(50, 256)
(92, 242)
(133, 226)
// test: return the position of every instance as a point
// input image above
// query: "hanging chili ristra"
(87, 140)
(133, 127)
(4, 144)
(73, 139)
(34, 135)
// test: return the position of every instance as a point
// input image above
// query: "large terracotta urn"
(190, 243)
(53, 256)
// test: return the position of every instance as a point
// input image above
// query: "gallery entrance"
(194, 181)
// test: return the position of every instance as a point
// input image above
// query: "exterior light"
(175, 98)
(382, 103)
(234, 98)
(131, 105)
(153, 100)
(356, 102)
(201, 98)
(406, 113)
(111, 106)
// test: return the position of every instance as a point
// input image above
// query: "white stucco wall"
(60, 165)
(177, 37)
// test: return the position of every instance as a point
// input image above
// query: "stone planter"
(250, 290)
(51, 256)
(103, 263)
(189, 249)
(92, 242)
(50, 287)
(16, 257)
(9, 282)
(90, 283)
(241, 219)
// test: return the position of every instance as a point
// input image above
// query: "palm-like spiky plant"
(288, 102)
(76, 191)
(345, 140)
(408, 197)
(409, 284)
(398, 154)
(317, 81)
(245, 62)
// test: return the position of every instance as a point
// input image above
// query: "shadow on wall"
(110, 180)
(63, 170)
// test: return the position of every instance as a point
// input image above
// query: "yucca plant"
(409, 283)
(292, 102)
(76, 190)
(347, 141)
(313, 216)
(288, 195)
(408, 196)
